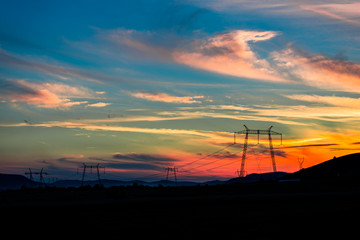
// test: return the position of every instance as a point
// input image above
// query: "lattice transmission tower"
(41, 174)
(171, 170)
(258, 132)
(88, 166)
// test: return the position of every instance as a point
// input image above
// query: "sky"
(143, 85)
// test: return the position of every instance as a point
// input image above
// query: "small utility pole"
(301, 161)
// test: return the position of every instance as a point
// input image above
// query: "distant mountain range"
(342, 167)
(12, 181)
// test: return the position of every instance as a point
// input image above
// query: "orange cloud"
(230, 54)
(164, 97)
(99, 104)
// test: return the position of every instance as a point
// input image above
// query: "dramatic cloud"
(319, 71)
(230, 53)
(164, 97)
(43, 95)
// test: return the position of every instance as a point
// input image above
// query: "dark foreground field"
(287, 210)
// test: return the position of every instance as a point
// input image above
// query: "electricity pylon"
(248, 131)
(97, 166)
(173, 170)
(41, 173)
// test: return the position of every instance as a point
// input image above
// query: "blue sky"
(123, 83)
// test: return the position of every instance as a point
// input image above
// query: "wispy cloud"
(310, 145)
(98, 127)
(302, 112)
(251, 115)
(240, 5)
(346, 12)
(56, 69)
(353, 103)
(231, 54)
(139, 43)
(164, 97)
(319, 71)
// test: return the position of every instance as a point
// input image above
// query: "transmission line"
(208, 155)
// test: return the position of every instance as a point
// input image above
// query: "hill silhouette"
(257, 177)
(14, 181)
(347, 166)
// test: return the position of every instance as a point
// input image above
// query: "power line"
(41, 173)
(208, 155)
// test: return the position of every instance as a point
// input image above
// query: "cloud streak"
(94, 127)
(352, 103)
(164, 97)
(144, 157)
(346, 12)
(99, 104)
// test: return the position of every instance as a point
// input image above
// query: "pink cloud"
(319, 71)
(346, 12)
(164, 97)
(44, 95)
(230, 54)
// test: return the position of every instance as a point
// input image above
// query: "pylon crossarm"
(275, 133)
(257, 132)
(261, 132)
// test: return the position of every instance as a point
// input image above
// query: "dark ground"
(268, 210)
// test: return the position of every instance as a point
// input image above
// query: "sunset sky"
(142, 85)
